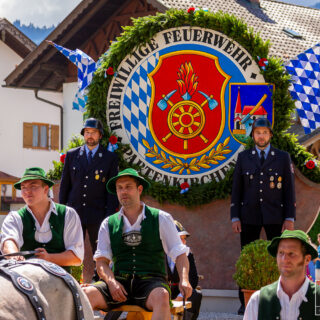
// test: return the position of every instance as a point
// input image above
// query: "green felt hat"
(292, 234)
(111, 184)
(34, 173)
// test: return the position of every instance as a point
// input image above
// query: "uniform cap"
(94, 124)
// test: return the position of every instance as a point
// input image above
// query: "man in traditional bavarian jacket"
(83, 183)
(52, 230)
(293, 296)
(136, 240)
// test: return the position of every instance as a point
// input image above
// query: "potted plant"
(255, 268)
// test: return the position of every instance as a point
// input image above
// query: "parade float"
(178, 93)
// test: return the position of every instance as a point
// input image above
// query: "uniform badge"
(100, 155)
(279, 185)
(251, 176)
(253, 152)
(272, 153)
(132, 238)
(272, 185)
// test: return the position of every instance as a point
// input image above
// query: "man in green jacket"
(293, 296)
(136, 240)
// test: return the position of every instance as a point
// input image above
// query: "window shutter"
(55, 137)
(27, 135)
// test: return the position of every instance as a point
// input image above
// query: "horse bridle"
(26, 286)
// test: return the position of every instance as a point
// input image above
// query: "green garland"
(140, 33)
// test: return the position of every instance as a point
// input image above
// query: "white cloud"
(39, 12)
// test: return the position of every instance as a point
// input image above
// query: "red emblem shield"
(187, 111)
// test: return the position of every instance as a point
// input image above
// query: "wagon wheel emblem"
(186, 119)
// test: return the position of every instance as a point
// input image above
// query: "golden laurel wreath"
(177, 164)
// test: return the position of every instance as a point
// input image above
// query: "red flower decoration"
(113, 139)
(191, 9)
(310, 164)
(184, 185)
(263, 62)
(110, 71)
(62, 157)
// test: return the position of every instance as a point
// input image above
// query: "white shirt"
(169, 236)
(289, 308)
(12, 228)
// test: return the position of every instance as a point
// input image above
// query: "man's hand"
(118, 292)
(287, 225)
(185, 289)
(18, 258)
(42, 253)
(10, 246)
(236, 226)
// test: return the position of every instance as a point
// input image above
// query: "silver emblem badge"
(132, 238)
(25, 284)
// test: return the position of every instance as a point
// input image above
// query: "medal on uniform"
(251, 176)
(272, 178)
(97, 177)
(103, 179)
(272, 185)
(279, 179)
(279, 185)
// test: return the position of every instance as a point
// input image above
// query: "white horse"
(54, 295)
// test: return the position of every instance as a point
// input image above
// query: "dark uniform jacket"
(83, 187)
(263, 195)
(173, 277)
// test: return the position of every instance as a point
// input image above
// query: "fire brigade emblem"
(172, 102)
(186, 115)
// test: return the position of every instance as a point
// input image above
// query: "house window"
(40, 136)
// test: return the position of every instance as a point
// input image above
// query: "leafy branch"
(176, 164)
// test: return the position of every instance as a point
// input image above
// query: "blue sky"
(52, 12)
(39, 12)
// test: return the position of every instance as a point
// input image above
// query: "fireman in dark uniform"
(263, 193)
(85, 174)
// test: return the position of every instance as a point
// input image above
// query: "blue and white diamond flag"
(85, 64)
(79, 101)
(305, 87)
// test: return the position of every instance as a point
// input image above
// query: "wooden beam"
(54, 68)
(135, 14)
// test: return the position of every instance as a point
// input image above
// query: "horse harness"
(25, 285)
